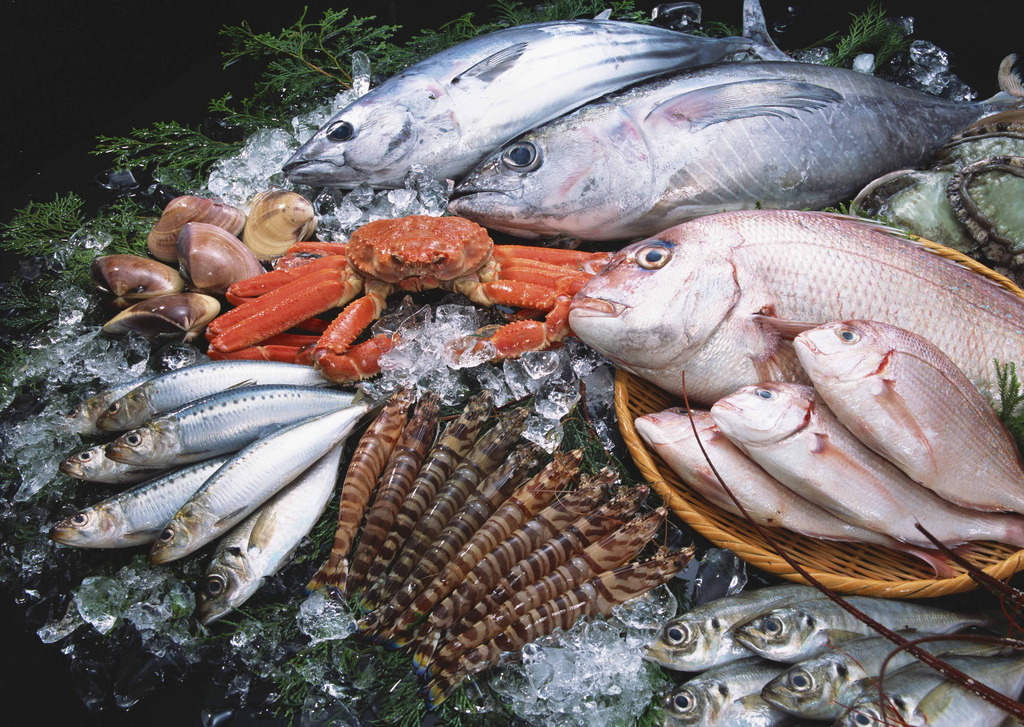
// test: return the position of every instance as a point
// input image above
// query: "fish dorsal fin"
(744, 99)
(493, 65)
(605, 14)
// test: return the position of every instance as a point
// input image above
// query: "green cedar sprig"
(869, 32)
(1011, 400)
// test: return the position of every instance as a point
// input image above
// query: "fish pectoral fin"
(240, 384)
(895, 407)
(785, 329)
(262, 530)
(493, 65)
(744, 99)
(230, 517)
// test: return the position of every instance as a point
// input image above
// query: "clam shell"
(130, 278)
(174, 316)
(213, 258)
(277, 220)
(163, 238)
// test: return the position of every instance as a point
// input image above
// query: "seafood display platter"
(849, 568)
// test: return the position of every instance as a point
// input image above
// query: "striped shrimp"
(366, 464)
(458, 438)
(587, 529)
(401, 470)
(598, 596)
(484, 458)
(524, 503)
(492, 492)
(535, 531)
(610, 552)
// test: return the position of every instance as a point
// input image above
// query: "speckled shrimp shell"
(492, 492)
(598, 596)
(394, 484)
(277, 220)
(535, 531)
(162, 241)
(610, 552)
(453, 445)
(365, 466)
(483, 459)
(532, 497)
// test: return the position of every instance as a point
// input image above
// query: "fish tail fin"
(755, 29)
(1009, 78)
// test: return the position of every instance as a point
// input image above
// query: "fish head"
(378, 138)
(843, 351)
(123, 413)
(82, 418)
(802, 688)
(149, 445)
(762, 414)
(783, 634)
(657, 301)
(673, 427)
(94, 527)
(867, 714)
(687, 643)
(82, 464)
(177, 536)
(570, 177)
(696, 703)
(228, 582)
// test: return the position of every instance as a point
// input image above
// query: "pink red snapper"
(715, 298)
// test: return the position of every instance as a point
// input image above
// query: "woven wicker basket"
(849, 568)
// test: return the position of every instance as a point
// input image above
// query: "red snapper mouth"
(597, 307)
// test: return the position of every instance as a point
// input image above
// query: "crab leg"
(277, 311)
(330, 355)
(245, 290)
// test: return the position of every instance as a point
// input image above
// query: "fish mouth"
(313, 171)
(597, 307)
(806, 343)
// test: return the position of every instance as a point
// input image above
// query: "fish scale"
(735, 284)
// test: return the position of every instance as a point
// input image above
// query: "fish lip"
(597, 307)
(801, 340)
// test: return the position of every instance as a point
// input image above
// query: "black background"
(72, 71)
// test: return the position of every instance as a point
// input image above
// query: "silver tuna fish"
(723, 137)
(446, 113)
(714, 298)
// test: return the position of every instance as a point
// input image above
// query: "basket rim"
(766, 559)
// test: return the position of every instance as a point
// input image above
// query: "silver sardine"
(94, 465)
(82, 418)
(726, 696)
(728, 136)
(222, 423)
(135, 516)
(261, 544)
(447, 112)
(702, 637)
(250, 478)
(177, 388)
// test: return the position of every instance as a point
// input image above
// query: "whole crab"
(414, 253)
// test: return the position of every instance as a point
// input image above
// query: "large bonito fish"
(717, 296)
(446, 113)
(724, 137)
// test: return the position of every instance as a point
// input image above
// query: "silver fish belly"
(177, 388)
(137, 515)
(449, 111)
(705, 140)
(222, 423)
(706, 297)
(259, 546)
(250, 478)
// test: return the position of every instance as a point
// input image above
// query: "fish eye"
(771, 625)
(653, 257)
(84, 456)
(79, 518)
(114, 408)
(133, 439)
(682, 702)
(863, 719)
(847, 335)
(765, 393)
(676, 634)
(167, 535)
(522, 156)
(341, 131)
(214, 586)
(800, 680)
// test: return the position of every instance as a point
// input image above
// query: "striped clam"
(971, 198)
